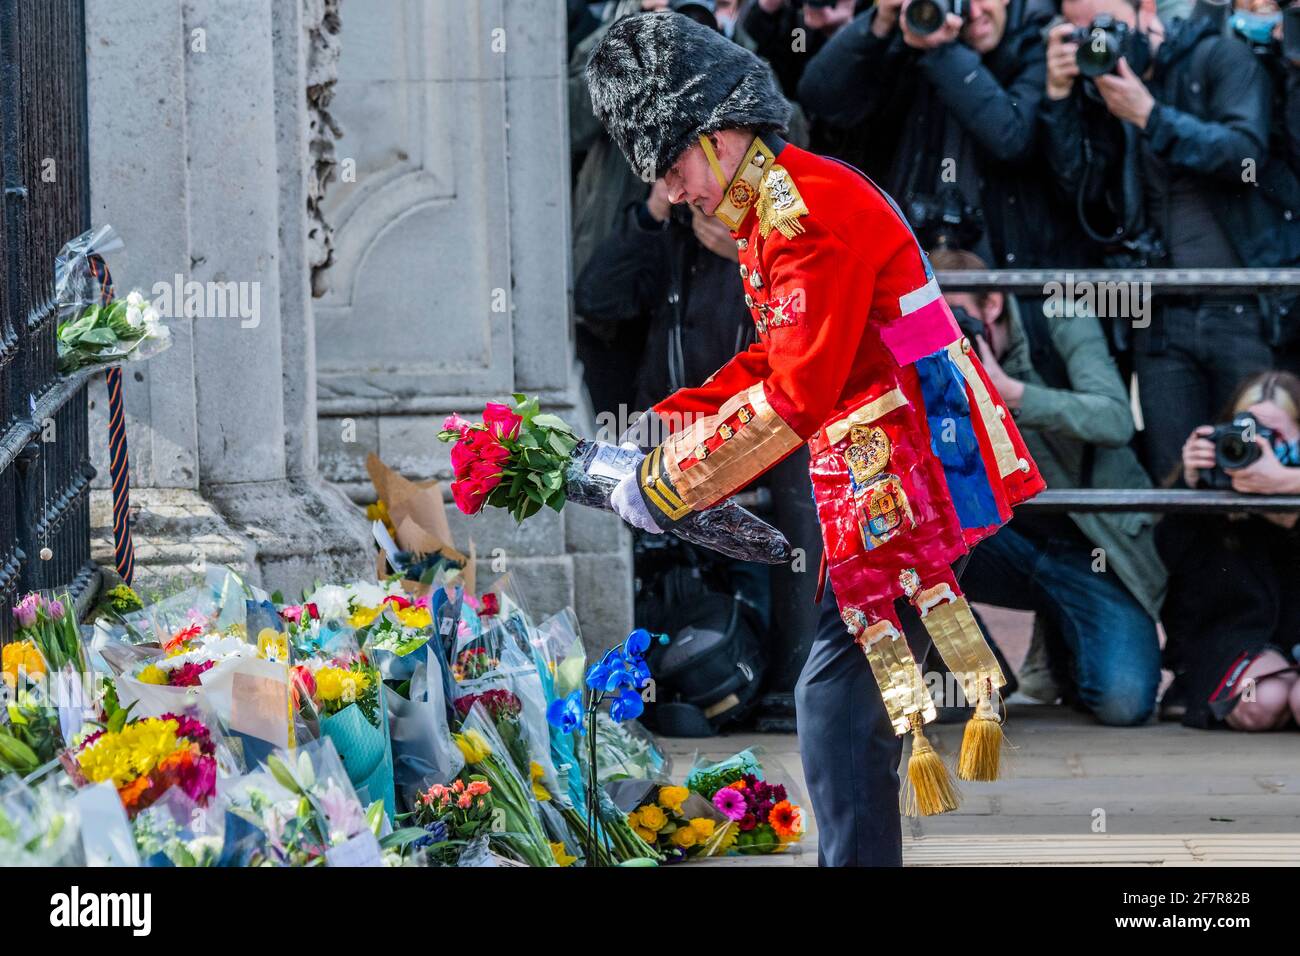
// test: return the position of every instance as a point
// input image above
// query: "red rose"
(469, 496)
(462, 458)
(490, 607)
(501, 421)
(486, 475)
(494, 453)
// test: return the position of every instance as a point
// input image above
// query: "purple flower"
(730, 803)
(56, 610)
(27, 610)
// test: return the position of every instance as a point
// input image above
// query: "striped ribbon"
(119, 465)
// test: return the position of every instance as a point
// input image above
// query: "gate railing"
(45, 466)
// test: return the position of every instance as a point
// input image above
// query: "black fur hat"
(659, 80)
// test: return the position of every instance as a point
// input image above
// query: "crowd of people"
(1060, 135)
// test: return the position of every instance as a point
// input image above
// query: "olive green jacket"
(1058, 424)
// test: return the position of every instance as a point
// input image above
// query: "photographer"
(1094, 579)
(960, 101)
(1233, 609)
(1161, 154)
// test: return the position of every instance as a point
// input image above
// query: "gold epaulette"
(779, 204)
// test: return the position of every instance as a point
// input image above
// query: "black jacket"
(690, 301)
(909, 97)
(1211, 119)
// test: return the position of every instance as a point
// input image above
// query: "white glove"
(628, 505)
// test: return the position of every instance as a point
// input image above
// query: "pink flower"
(466, 799)
(199, 779)
(454, 423)
(187, 675)
(501, 421)
(494, 453)
(730, 802)
(56, 610)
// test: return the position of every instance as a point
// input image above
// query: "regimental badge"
(779, 204)
(725, 431)
(879, 500)
(744, 414)
(741, 194)
(784, 310)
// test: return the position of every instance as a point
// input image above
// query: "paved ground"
(1166, 795)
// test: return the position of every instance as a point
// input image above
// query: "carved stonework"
(322, 25)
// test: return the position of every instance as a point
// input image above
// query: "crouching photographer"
(1161, 134)
(1232, 614)
(1093, 580)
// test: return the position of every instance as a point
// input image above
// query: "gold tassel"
(981, 744)
(929, 788)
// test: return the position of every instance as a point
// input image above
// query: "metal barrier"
(45, 466)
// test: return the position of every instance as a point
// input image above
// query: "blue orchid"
(628, 705)
(565, 714)
(638, 642)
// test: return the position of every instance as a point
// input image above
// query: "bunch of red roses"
(515, 459)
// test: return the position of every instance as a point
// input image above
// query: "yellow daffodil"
(652, 818)
(685, 837)
(704, 827)
(415, 617)
(21, 655)
(273, 645)
(562, 858)
(539, 791)
(672, 798)
(363, 617)
(152, 674)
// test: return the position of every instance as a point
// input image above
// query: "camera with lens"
(944, 220)
(970, 326)
(1234, 447)
(1104, 41)
(927, 16)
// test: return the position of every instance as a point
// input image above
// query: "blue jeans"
(1111, 639)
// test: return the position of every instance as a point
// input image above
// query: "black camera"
(1104, 41)
(945, 220)
(927, 16)
(1234, 447)
(970, 326)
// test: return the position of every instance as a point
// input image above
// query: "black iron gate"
(45, 466)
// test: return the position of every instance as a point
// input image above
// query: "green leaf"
(551, 421)
(401, 838)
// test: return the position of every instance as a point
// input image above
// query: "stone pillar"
(451, 282)
(198, 143)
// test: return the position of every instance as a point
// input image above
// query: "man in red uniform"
(914, 457)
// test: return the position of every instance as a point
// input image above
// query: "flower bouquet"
(760, 817)
(520, 832)
(38, 826)
(522, 460)
(146, 756)
(675, 821)
(347, 696)
(89, 332)
(453, 817)
(124, 330)
(301, 812)
(50, 655)
(193, 665)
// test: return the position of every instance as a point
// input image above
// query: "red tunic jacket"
(853, 338)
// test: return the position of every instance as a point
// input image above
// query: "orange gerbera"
(134, 790)
(786, 820)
